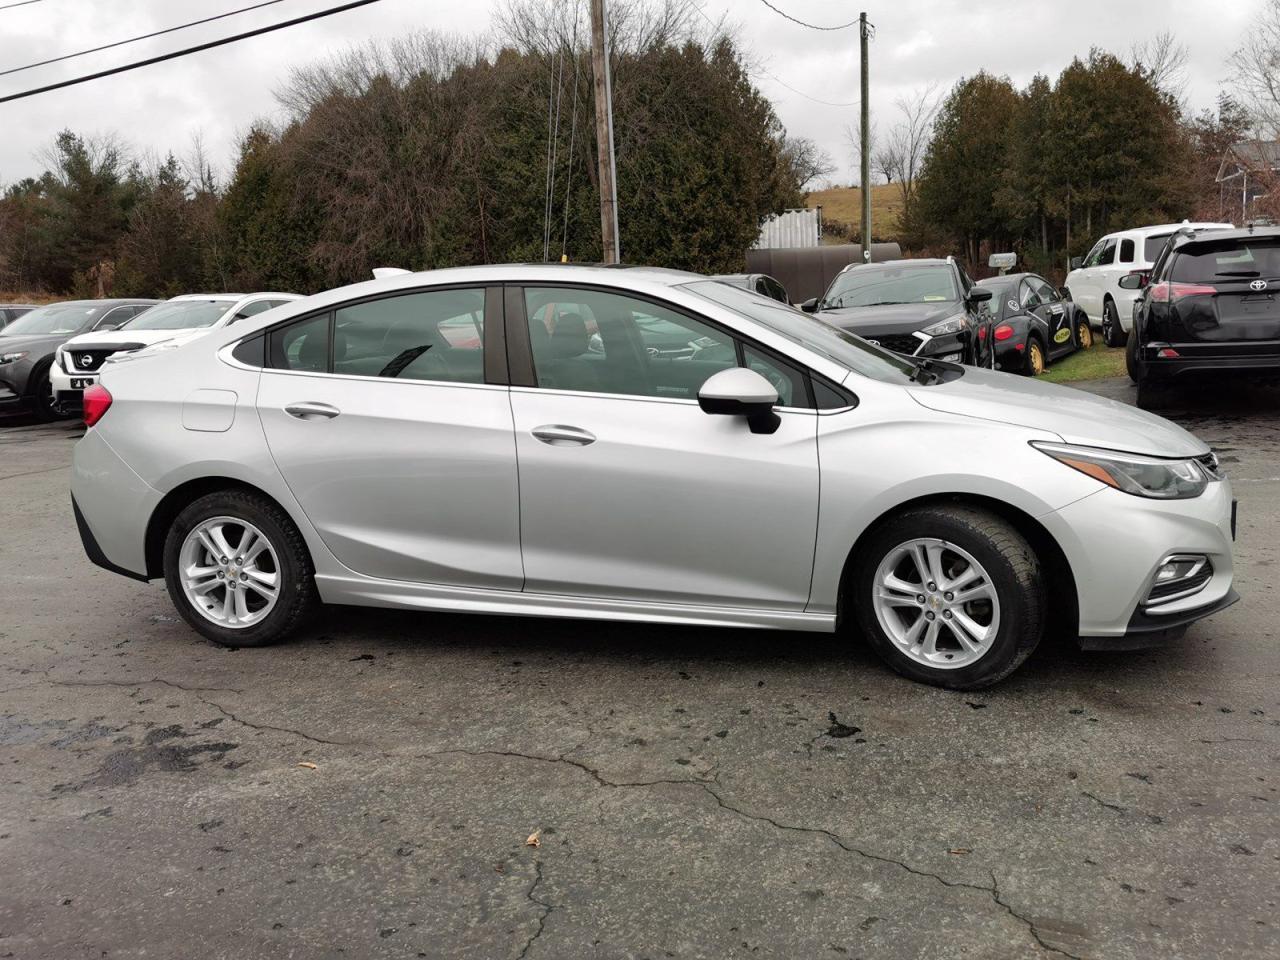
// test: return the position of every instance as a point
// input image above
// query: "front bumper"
(68, 389)
(1115, 543)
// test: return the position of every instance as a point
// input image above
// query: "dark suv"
(925, 308)
(1210, 303)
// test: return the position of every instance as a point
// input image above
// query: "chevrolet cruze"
(505, 440)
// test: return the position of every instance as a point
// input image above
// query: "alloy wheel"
(936, 603)
(1035, 356)
(229, 572)
(1085, 336)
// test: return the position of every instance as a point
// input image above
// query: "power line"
(825, 103)
(21, 3)
(811, 26)
(145, 36)
(182, 53)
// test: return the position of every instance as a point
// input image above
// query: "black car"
(1211, 303)
(27, 346)
(760, 283)
(10, 312)
(1033, 323)
(926, 308)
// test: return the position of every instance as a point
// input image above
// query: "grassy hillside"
(845, 204)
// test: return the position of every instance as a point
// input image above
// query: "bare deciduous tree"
(1256, 70)
(1163, 61)
(902, 154)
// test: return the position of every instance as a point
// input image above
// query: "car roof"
(106, 302)
(1239, 233)
(1167, 228)
(1005, 279)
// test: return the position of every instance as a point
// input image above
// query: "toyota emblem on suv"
(1258, 285)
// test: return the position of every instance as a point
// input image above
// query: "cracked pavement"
(699, 792)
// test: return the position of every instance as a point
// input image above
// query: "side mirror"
(739, 392)
(810, 305)
(1133, 281)
(1075, 262)
(978, 295)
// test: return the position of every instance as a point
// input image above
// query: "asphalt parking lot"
(368, 789)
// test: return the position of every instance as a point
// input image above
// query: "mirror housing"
(977, 295)
(810, 305)
(1134, 281)
(1074, 263)
(740, 392)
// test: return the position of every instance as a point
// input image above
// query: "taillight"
(1167, 292)
(96, 401)
(1004, 332)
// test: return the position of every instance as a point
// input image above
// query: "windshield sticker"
(932, 297)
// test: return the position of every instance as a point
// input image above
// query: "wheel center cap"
(935, 602)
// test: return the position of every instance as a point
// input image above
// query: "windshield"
(181, 315)
(845, 349)
(868, 285)
(53, 319)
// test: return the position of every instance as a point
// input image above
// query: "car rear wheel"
(1035, 362)
(238, 570)
(950, 596)
(1084, 332)
(1112, 332)
(1131, 364)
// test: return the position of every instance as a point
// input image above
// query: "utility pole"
(604, 133)
(866, 145)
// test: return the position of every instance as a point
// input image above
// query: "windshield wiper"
(1237, 273)
(923, 366)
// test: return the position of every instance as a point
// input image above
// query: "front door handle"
(310, 410)
(562, 435)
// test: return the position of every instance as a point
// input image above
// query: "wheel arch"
(1059, 579)
(175, 501)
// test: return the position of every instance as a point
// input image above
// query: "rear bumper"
(1262, 359)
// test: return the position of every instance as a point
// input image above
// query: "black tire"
(42, 398)
(1132, 365)
(1152, 396)
(1014, 571)
(1029, 362)
(1112, 332)
(297, 598)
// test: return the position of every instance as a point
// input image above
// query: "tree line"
(431, 151)
(1047, 168)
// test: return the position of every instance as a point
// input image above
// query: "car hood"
(32, 342)
(890, 318)
(146, 337)
(1075, 416)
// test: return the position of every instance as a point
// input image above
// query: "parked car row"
(50, 355)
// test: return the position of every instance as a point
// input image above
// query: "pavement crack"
(547, 908)
(590, 771)
(1098, 800)
(143, 683)
(1031, 924)
(293, 731)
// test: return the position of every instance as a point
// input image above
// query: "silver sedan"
(640, 444)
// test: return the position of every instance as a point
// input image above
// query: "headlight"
(1134, 473)
(950, 325)
(12, 357)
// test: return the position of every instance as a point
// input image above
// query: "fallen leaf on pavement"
(534, 839)
(959, 851)
(308, 764)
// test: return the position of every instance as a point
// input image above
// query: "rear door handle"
(310, 410)
(562, 435)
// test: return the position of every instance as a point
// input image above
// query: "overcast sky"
(218, 92)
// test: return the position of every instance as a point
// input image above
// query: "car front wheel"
(238, 570)
(949, 595)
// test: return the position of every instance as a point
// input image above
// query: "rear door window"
(428, 335)
(1126, 250)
